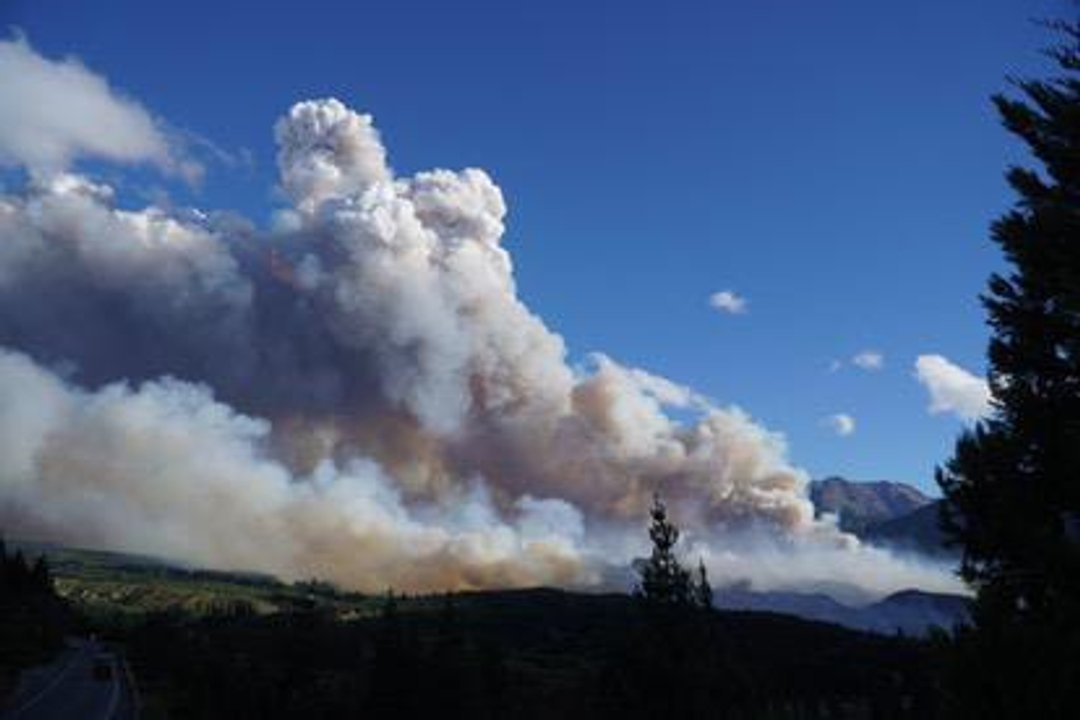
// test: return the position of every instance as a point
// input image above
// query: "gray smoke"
(359, 393)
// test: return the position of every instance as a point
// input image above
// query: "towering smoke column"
(358, 394)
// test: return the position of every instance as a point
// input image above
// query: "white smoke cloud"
(853, 575)
(729, 302)
(952, 388)
(326, 150)
(359, 394)
(841, 423)
(171, 471)
(54, 111)
(870, 360)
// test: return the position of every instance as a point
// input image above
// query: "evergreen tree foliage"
(18, 578)
(703, 593)
(18, 572)
(33, 619)
(663, 579)
(395, 666)
(41, 576)
(1012, 488)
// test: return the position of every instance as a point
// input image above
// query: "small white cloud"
(835, 366)
(54, 111)
(870, 360)
(841, 423)
(728, 301)
(952, 388)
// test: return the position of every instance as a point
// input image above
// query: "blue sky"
(835, 163)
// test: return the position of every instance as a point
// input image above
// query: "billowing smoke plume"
(358, 394)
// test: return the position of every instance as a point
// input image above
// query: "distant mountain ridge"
(893, 514)
(913, 612)
(862, 505)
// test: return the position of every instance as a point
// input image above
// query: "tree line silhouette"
(33, 619)
(532, 654)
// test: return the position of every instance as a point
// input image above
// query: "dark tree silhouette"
(33, 619)
(663, 579)
(1012, 489)
(41, 576)
(394, 663)
(703, 593)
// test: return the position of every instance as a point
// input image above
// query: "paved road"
(87, 682)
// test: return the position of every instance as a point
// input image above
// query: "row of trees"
(523, 654)
(19, 577)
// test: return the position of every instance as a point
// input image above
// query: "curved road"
(86, 681)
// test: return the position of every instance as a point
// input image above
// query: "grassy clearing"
(111, 587)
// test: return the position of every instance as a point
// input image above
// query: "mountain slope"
(860, 505)
(913, 612)
(918, 531)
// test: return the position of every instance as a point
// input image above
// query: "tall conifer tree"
(663, 579)
(1012, 488)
